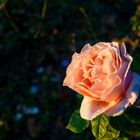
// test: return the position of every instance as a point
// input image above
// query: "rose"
(101, 74)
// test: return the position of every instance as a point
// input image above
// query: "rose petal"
(127, 59)
(109, 68)
(116, 55)
(113, 91)
(91, 109)
(124, 71)
(114, 44)
(86, 48)
(87, 63)
(85, 92)
(99, 60)
(131, 96)
(73, 73)
(102, 44)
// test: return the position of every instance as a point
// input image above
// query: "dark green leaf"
(99, 126)
(76, 123)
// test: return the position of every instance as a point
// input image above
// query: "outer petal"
(73, 73)
(131, 96)
(86, 48)
(90, 108)
(127, 59)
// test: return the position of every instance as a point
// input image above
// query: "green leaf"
(111, 134)
(76, 123)
(100, 125)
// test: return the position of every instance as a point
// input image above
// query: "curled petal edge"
(132, 94)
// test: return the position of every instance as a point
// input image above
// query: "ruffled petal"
(129, 99)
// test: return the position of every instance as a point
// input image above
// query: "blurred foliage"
(136, 20)
(37, 40)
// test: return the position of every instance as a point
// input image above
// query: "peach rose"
(101, 74)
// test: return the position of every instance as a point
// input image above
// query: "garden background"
(37, 40)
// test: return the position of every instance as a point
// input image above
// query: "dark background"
(37, 40)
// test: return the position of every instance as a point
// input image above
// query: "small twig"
(82, 10)
(10, 20)
(43, 13)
